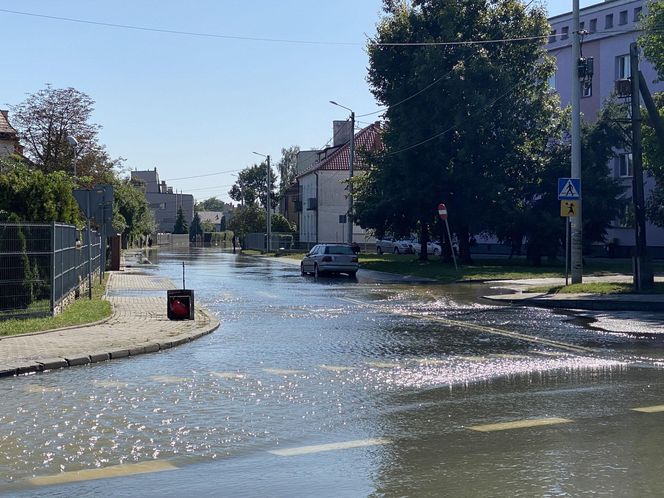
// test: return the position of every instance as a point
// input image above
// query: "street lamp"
(267, 202)
(349, 219)
(74, 144)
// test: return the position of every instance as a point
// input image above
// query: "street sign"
(442, 211)
(568, 208)
(569, 189)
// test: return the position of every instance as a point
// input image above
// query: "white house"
(323, 188)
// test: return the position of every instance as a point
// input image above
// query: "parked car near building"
(432, 247)
(392, 245)
(330, 258)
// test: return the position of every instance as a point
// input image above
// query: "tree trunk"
(424, 240)
(464, 245)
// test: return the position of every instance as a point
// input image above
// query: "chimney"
(341, 131)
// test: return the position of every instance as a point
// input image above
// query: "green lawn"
(598, 288)
(488, 269)
(80, 312)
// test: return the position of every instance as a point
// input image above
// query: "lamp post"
(267, 202)
(349, 218)
(74, 144)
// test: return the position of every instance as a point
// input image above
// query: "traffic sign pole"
(442, 212)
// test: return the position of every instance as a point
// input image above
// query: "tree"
(196, 227)
(132, 216)
(45, 120)
(211, 204)
(468, 139)
(652, 39)
(248, 219)
(281, 224)
(287, 167)
(180, 223)
(250, 186)
(33, 196)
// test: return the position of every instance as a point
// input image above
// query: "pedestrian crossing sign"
(568, 208)
(569, 189)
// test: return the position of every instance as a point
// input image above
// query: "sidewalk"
(138, 325)
(595, 302)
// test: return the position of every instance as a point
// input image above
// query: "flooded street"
(343, 387)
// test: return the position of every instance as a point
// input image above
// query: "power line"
(201, 176)
(437, 80)
(440, 134)
(174, 31)
(279, 40)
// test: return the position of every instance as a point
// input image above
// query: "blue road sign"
(569, 189)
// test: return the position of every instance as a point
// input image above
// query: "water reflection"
(296, 362)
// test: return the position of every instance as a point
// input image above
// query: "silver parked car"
(432, 247)
(391, 245)
(330, 258)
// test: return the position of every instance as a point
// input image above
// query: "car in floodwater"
(330, 259)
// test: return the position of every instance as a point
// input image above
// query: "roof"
(5, 127)
(211, 216)
(366, 139)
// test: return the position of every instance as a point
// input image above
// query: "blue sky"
(199, 105)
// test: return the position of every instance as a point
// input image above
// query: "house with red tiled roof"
(323, 187)
(9, 143)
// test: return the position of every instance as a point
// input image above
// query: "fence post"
(52, 268)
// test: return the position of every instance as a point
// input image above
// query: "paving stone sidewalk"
(138, 325)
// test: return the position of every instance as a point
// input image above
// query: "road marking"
(169, 379)
(381, 364)
(103, 473)
(649, 409)
(519, 424)
(480, 328)
(109, 383)
(336, 368)
(277, 371)
(228, 375)
(319, 448)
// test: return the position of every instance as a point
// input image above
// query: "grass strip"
(80, 312)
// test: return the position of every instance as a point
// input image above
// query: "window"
(582, 26)
(552, 81)
(608, 21)
(622, 17)
(637, 14)
(625, 165)
(593, 26)
(622, 67)
(552, 36)
(565, 33)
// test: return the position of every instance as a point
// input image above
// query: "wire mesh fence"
(42, 265)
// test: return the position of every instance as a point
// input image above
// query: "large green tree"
(652, 39)
(211, 204)
(132, 216)
(287, 167)
(462, 120)
(251, 186)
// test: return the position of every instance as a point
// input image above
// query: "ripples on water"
(291, 359)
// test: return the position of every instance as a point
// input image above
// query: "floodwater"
(343, 387)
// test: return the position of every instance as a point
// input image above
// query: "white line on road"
(103, 473)
(649, 409)
(319, 448)
(520, 424)
(481, 328)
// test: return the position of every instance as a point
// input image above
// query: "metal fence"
(42, 265)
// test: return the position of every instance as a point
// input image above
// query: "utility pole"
(350, 177)
(351, 161)
(643, 276)
(576, 220)
(269, 208)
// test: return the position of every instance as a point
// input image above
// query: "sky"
(199, 106)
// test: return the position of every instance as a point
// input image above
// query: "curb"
(46, 364)
(593, 303)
